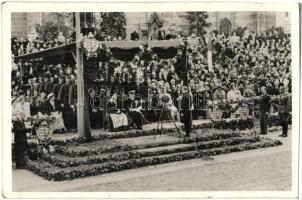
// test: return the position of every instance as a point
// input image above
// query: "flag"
(181, 67)
(210, 63)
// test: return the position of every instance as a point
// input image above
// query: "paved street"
(256, 170)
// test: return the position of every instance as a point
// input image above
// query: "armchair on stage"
(121, 115)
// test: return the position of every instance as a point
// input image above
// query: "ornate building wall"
(221, 21)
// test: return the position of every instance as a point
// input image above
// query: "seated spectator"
(234, 94)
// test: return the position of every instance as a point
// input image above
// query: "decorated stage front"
(68, 157)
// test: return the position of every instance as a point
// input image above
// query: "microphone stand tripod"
(159, 129)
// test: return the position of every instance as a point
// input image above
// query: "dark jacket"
(186, 105)
(49, 88)
(48, 108)
(285, 104)
(20, 131)
(265, 103)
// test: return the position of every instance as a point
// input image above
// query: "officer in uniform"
(186, 112)
(132, 107)
(284, 110)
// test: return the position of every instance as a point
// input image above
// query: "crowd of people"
(241, 67)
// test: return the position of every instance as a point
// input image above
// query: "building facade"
(23, 23)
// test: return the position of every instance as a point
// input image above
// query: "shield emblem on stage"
(44, 132)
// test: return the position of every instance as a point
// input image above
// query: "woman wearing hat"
(53, 108)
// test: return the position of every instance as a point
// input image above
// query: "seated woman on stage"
(53, 108)
(118, 120)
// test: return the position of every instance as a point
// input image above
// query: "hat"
(131, 92)
(90, 35)
(185, 88)
(13, 100)
(20, 97)
(50, 95)
(153, 81)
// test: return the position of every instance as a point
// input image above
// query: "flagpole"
(210, 61)
(82, 107)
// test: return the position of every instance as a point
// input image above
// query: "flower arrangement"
(130, 160)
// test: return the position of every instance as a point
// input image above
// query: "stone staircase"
(100, 156)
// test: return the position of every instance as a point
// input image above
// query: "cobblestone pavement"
(255, 170)
(261, 173)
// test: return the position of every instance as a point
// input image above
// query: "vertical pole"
(21, 70)
(82, 107)
(210, 62)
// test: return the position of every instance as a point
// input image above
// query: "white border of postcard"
(68, 6)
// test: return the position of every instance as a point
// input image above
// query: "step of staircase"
(67, 161)
(141, 158)
(126, 144)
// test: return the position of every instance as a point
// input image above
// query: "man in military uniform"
(132, 107)
(186, 112)
(284, 110)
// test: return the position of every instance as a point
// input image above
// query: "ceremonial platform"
(68, 157)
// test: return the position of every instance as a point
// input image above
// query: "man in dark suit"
(134, 36)
(20, 131)
(49, 85)
(133, 107)
(265, 104)
(186, 111)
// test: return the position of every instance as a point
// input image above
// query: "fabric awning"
(48, 52)
(125, 45)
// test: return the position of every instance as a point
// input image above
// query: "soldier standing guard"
(284, 110)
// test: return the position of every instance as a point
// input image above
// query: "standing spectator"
(134, 36)
(186, 110)
(265, 104)
(20, 131)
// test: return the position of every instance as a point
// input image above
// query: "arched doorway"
(225, 26)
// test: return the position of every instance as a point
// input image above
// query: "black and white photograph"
(153, 100)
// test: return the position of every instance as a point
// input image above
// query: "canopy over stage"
(124, 50)
(76, 51)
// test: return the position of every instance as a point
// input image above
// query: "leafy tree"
(240, 31)
(197, 22)
(52, 24)
(114, 24)
(155, 17)
(279, 30)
